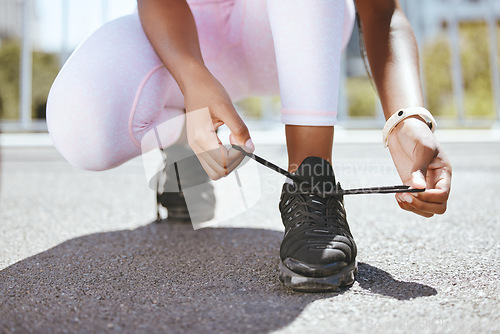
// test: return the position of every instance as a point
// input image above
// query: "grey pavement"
(79, 253)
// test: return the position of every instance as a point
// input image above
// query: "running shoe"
(318, 252)
(172, 196)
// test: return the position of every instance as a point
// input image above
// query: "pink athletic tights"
(114, 88)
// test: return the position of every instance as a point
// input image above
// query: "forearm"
(392, 53)
(171, 29)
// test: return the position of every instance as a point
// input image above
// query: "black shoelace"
(317, 211)
(335, 191)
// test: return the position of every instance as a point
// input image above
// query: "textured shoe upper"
(179, 176)
(187, 171)
(317, 239)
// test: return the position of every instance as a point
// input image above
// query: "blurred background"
(459, 43)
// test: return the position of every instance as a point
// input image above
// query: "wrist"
(411, 119)
(407, 115)
(190, 74)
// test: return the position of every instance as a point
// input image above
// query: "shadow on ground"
(162, 277)
(381, 282)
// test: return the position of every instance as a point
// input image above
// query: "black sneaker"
(318, 252)
(185, 173)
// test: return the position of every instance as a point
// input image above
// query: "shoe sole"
(301, 283)
(182, 215)
(188, 219)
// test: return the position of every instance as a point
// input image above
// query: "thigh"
(250, 20)
(237, 46)
(110, 92)
(257, 46)
(302, 41)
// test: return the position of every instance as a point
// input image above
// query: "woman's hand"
(208, 106)
(171, 29)
(421, 163)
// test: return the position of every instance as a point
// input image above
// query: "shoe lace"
(317, 211)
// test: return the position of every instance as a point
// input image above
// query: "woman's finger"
(408, 207)
(235, 157)
(220, 160)
(216, 159)
(437, 196)
(210, 172)
(205, 143)
(429, 207)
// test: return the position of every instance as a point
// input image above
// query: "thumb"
(239, 132)
(422, 159)
(248, 146)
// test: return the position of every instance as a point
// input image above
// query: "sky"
(84, 17)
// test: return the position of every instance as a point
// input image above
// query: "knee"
(93, 165)
(85, 152)
(88, 139)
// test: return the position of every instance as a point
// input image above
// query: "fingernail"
(418, 179)
(249, 144)
(407, 198)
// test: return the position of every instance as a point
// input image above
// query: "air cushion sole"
(301, 283)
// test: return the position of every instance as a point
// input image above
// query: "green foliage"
(9, 80)
(438, 80)
(252, 106)
(45, 69)
(476, 73)
(361, 97)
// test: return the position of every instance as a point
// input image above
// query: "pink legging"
(114, 89)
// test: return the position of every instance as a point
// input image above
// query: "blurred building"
(11, 15)
(433, 20)
(428, 18)
(11, 19)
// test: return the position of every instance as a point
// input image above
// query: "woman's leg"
(306, 141)
(110, 93)
(318, 252)
(308, 38)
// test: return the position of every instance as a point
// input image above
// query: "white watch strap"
(404, 113)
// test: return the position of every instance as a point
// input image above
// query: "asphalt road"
(79, 253)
